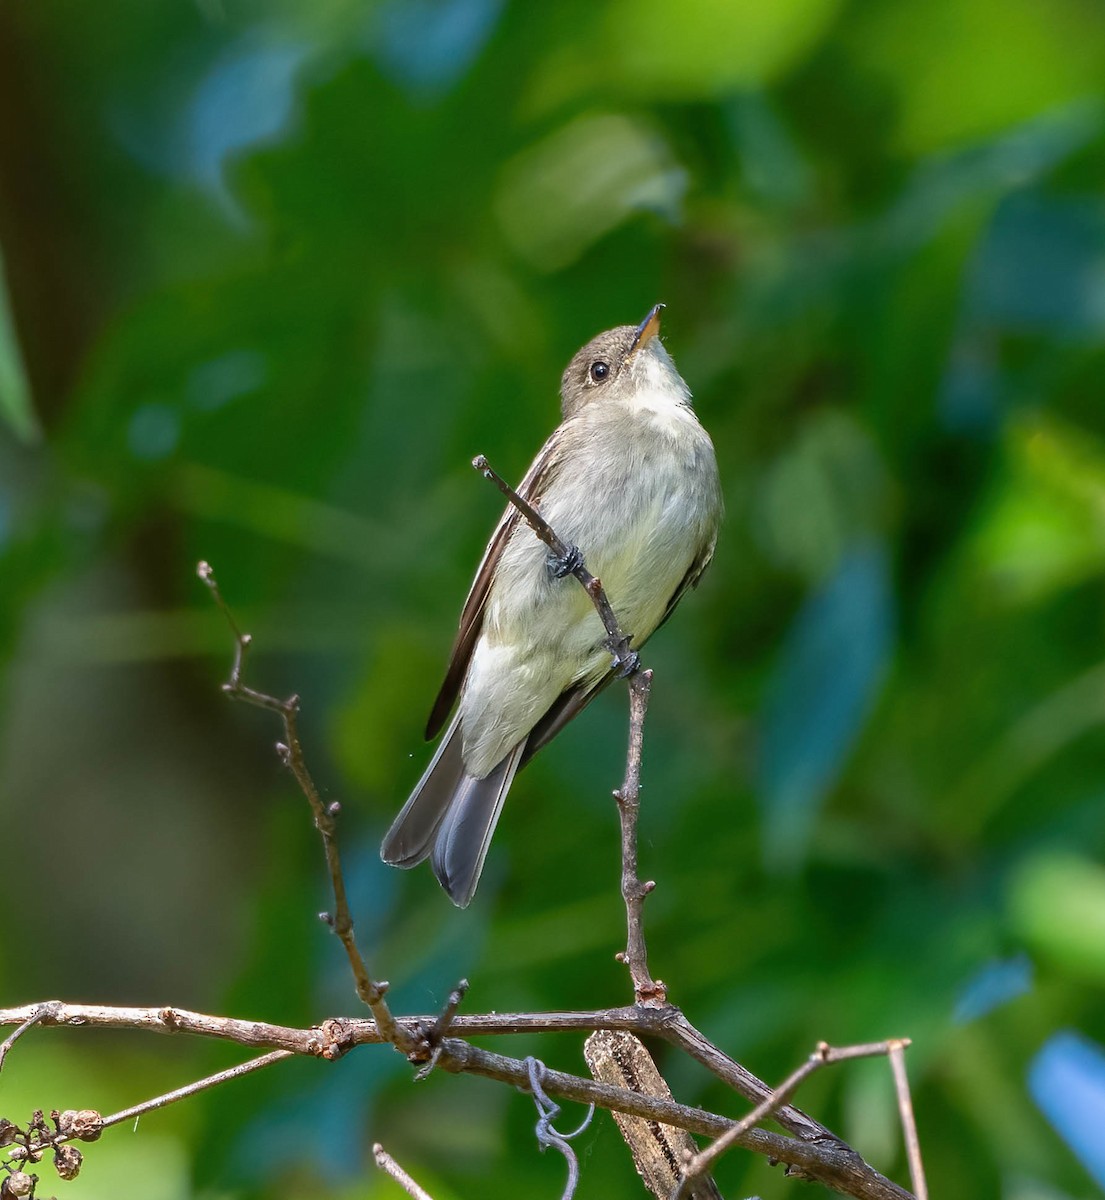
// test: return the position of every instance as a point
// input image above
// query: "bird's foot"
(626, 662)
(560, 566)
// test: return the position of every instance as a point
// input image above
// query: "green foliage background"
(275, 272)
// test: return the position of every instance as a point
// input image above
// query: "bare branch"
(646, 990)
(681, 1033)
(823, 1056)
(827, 1159)
(389, 1166)
(40, 1012)
(162, 1101)
(435, 1033)
(909, 1123)
(201, 1085)
(332, 1037)
(291, 754)
(836, 1165)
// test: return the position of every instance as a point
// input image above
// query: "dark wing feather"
(471, 617)
(571, 703)
(566, 707)
(694, 573)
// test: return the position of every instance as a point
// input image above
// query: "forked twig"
(823, 1056)
(40, 1012)
(291, 754)
(646, 990)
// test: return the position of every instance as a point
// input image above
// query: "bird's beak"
(647, 329)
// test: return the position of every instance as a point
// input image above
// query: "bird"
(628, 480)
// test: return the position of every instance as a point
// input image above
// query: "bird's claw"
(626, 662)
(559, 566)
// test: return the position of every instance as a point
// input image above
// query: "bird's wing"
(571, 703)
(694, 573)
(567, 706)
(471, 617)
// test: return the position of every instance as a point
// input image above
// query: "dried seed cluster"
(31, 1142)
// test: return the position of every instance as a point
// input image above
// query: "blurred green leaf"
(953, 78)
(1057, 904)
(704, 50)
(824, 685)
(15, 390)
(827, 492)
(709, 47)
(566, 192)
(1045, 528)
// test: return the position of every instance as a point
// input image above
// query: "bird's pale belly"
(542, 635)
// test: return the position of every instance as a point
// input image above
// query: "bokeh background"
(274, 273)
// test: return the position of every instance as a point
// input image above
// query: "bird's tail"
(450, 818)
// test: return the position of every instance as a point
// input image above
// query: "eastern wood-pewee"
(629, 477)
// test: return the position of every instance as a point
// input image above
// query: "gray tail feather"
(450, 818)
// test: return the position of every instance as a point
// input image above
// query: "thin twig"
(436, 1032)
(679, 1032)
(40, 1012)
(201, 1085)
(167, 1098)
(823, 1056)
(617, 640)
(646, 990)
(291, 754)
(909, 1123)
(389, 1166)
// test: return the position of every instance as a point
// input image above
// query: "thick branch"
(659, 1151)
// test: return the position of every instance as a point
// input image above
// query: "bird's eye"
(599, 371)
